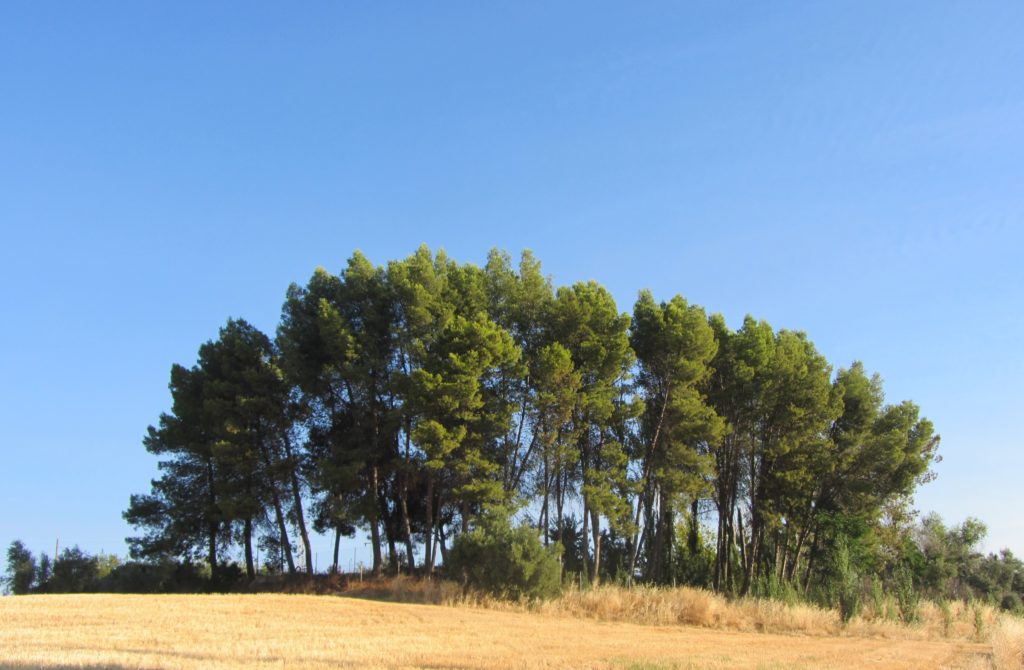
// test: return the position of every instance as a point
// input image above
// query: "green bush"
(906, 597)
(947, 616)
(1011, 603)
(979, 622)
(505, 561)
(158, 577)
(845, 582)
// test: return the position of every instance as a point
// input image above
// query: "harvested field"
(275, 631)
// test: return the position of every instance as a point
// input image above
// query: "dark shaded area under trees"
(415, 400)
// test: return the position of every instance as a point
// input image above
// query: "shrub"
(158, 577)
(506, 561)
(1011, 603)
(906, 597)
(846, 587)
(947, 616)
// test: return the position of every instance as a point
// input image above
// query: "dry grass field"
(301, 631)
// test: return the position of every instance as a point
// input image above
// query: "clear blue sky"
(852, 169)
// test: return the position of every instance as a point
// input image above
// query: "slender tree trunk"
(646, 480)
(437, 525)
(407, 531)
(810, 564)
(337, 549)
(440, 543)
(559, 507)
(393, 564)
(543, 521)
(726, 500)
(250, 567)
(378, 561)
(781, 553)
(282, 529)
(212, 537)
(638, 536)
(595, 523)
(428, 549)
(794, 565)
(586, 540)
(730, 558)
(275, 499)
(300, 516)
(214, 526)
(404, 503)
(694, 536)
(742, 541)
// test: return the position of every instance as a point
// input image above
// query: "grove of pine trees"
(410, 400)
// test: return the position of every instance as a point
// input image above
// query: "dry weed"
(1008, 643)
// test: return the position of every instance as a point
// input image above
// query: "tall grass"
(1008, 643)
(698, 607)
(693, 607)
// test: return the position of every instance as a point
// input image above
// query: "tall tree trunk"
(337, 549)
(212, 538)
(214, 526)
(282, 529)
(300, 516)
(754, 555)
(646, 481)
(595, 523)
(250, 567)
(403, 503)
(810, 564)
(407, 532)
(730, 557)
(742, 541)
(559, 507)
(726, 501)
(543, 522)
(586, 540)
(657, 567)
(275, 499)
(428, 549)
(393, 562)
(693, 539)
(638, 536)
(439, 531)
(378, 561)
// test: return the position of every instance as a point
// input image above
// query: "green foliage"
(907, 598)
(167, 577)
(1011, 603)
(405, 399)
(947, 616)
(74, 571)
(979, 622)
(21, 569)
(770, 587)
(846, 585)
(506, 561)
(693, 554)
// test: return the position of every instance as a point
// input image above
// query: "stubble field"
(276, 631)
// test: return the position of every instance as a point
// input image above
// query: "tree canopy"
(414, 399)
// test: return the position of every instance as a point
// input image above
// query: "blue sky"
(851, 169)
